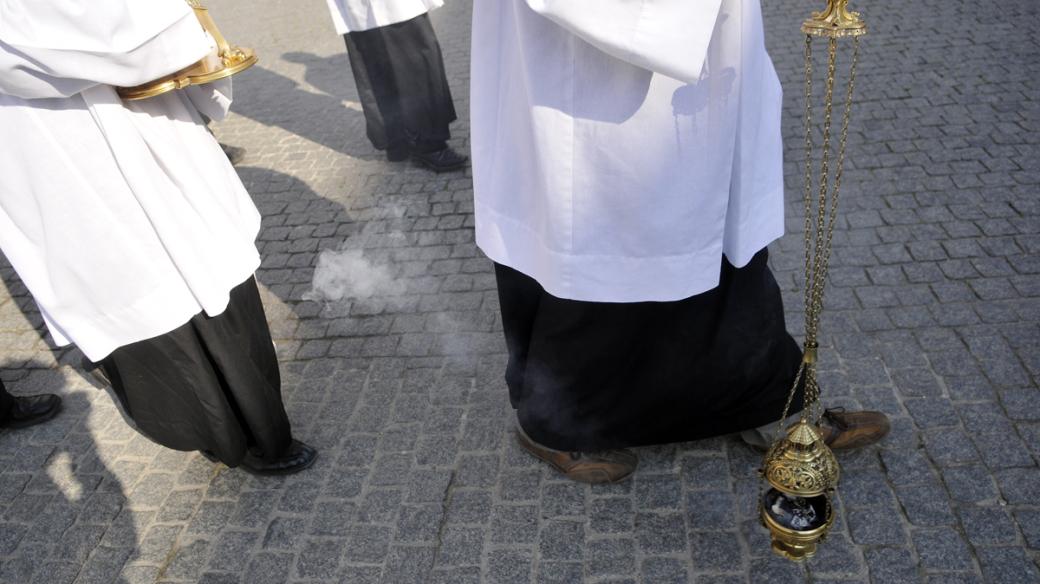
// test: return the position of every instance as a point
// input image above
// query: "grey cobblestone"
(932, 316)
(988, 525)
(1007, 564)
(942, 550)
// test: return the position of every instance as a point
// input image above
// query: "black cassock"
(6, 402)
(587, 376)
(211, 384)
(402, 85)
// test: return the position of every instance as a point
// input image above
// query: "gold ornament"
(836, 21)
(799, 467)
(224, 62)
(802, 471)
(801, 464)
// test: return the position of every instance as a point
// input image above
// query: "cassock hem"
(589, 376)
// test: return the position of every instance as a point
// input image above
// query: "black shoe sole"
(281, 471)
(439, 169)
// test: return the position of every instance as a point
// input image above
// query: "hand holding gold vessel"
(223, 62)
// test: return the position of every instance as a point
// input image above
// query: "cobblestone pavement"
(396, 372)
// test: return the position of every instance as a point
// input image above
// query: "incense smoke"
(346, 274)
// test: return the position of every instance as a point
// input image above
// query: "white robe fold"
(667, 36)
(124, 219)
(358, 15)
(622, 147)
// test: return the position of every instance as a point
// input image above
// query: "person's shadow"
(64, 511)
(331, 75)
(298, 224)
(332, 118)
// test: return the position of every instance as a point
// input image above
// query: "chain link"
(819, 234)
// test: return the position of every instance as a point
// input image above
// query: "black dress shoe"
(235, 154)
(299, 457)
(31, 410)
(443, 160)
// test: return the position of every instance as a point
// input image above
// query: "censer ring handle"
(202, 13)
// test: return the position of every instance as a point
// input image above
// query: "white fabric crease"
(359, 15)
(124, 219)
(621, 148)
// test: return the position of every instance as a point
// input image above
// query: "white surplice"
(358, 15)
(621, 147)
(124, 219)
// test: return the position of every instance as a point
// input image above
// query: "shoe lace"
(834, 417)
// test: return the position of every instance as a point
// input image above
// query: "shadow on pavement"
(331, 75)
(298, 224)
(64, 513)
(275, 100)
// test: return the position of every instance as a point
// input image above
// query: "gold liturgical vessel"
(224, 62)
(799, 468)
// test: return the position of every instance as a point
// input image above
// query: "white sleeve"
(213, 100)
(665, 36)
(38, 61)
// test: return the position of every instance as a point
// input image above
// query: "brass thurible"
(799, 468)
(802, 473)
(224, 62)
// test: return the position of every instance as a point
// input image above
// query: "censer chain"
(819, 234)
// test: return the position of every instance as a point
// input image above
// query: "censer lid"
(804, 434)
(800, 463)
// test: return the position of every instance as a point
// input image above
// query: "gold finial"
(835, 21)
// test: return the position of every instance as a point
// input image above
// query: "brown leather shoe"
(608, 466)
(845, 430)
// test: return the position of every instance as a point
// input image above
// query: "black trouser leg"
(519, 296)
(377, 90)
(402, 85)
(211, 384)
(587, 376)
